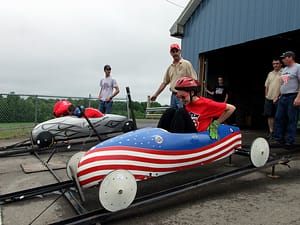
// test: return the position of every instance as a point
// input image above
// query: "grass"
(15, 130)
(23, 130)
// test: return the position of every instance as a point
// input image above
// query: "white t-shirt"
(290, 79)
(107, 85)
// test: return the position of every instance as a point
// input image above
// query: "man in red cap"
(179, 68)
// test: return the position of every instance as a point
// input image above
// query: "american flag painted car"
(152, 152)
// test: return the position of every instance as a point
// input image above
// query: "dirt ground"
(253, 199)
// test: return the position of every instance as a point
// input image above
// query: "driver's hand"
(213, 130)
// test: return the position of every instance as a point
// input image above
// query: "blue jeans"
(286, 119)
(105, 107)
(175, 102)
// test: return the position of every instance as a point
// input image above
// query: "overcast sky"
(59, 47)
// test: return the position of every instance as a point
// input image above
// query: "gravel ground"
(250, 200)
(254, 199)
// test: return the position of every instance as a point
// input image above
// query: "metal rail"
(25, 142)
(29, 193)
(24, 147)
(19, 148)
(131, 108)
(101, 215)
(62, 186)
(79, 209)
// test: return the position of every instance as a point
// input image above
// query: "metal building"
(238, 39)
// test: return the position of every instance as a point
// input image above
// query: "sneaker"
(269, 136)
(288, 146)
(274, 143)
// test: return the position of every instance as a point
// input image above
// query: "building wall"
(221, 23)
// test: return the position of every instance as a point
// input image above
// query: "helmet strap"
(191, 96)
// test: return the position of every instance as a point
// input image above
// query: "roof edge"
(177, 29)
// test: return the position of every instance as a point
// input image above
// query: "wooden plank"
(39, 166)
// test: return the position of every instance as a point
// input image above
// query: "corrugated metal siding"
(221, 23)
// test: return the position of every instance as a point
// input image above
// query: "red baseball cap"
(176, 46)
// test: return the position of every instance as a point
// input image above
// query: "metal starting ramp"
(162, 188)
(99, 216)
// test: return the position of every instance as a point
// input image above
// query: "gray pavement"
(253, 199)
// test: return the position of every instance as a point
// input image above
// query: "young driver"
(198, 113)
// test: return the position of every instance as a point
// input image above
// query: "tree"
(15, 108)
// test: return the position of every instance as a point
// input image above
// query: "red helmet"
(187, 84)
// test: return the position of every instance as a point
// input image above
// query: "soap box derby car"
(71, 127)
(76, 122)
(117, 163)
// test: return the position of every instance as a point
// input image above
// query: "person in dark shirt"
(220, 91)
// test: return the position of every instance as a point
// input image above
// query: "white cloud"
(59, 47)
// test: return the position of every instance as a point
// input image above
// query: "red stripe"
(165, 152)
(101, 177)
(141, 177)
(149, 169)
(92, 179)
(143, 159)
(147, 160)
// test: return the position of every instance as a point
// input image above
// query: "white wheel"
(259, 152)
(72, 167)
(117, 190)
(73, 163)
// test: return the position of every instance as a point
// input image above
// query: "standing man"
(179, 68)
(272, 85)
(108, 90)
(287, 113)
(220, 91)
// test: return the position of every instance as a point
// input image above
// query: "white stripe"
(105, 172)
(134, 172)
(160, 156)
(146, 164)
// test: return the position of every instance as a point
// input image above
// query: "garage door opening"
(245, 68)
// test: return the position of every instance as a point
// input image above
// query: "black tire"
(44, 139)
(128, 126)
